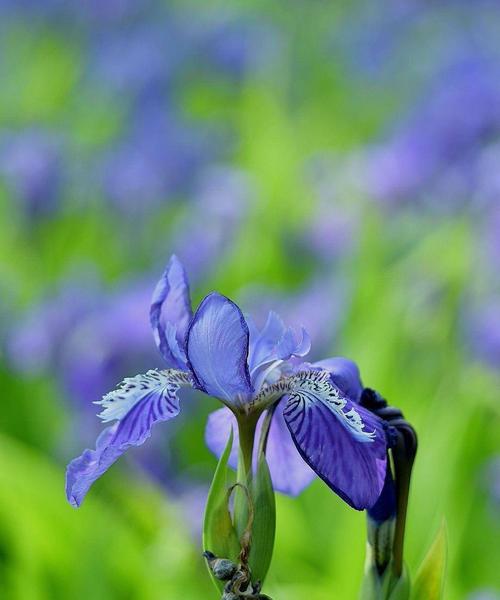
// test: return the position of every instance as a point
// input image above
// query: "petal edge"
(217, 350)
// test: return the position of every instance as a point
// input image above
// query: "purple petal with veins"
(171, 313)
(138, 404)
(342, 442)
(217, 350)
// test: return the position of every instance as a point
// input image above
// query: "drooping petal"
(289, 473)
(137, 404)
(217, 350)
(341, 441)
(345, 375)
(385, 507)
(171, 313)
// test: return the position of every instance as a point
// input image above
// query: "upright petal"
(272, 346)
(171, 313)
(341, 441)
(217, 350)
(262, 343)
(289, 473)
(137, 404)
(293, 344)
(276, 342)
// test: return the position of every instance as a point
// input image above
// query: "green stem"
(246, 429)
(403, 456)
(264, 434)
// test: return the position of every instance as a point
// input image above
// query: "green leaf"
(429, 582)
(386, 586)
(240, 498)
(219, 535)
(264, 525)
(370, 588)
(401, 588)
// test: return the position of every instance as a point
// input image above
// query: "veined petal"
(171, 313)
(137, 404)
(341, 441)
(289, 473)
(217, 350)
(345, 375)
(293, 344)
(274, 345)
(263, 343)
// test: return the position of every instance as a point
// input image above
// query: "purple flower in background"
(485, 594)
(215, 216)
(235, 46)
(49, 8)
(110, 12)
(435, 156)
(138, 60)
(104, 344)
(492, 479)
(483, 332)
(219, 352)
(37, 341)
(156, 160)
(368, 40)
(317, 307)
(332, 232)
(31, 165)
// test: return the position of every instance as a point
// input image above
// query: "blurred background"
(336, 161)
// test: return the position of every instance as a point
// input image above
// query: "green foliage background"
(409, 274)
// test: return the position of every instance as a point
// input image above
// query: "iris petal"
(217, 431)
(273, 345)
(138, 404)
(171, 313)
(342, 442)
(217, 349)
(263, 343)
(345, 375)
(289, 473)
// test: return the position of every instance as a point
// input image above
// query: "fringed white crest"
(119, 402)
(307, 387)
(316, 386)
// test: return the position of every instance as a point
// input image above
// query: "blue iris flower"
(317, 427)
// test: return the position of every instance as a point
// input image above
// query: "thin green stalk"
(246, 429)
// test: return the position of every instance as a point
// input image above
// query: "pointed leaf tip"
(429, 582)
(219, 535)
(264, 526)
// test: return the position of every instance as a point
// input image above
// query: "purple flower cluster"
(141, 59)
(437, 158)
(30, 164)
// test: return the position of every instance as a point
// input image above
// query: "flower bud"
(222, 568)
